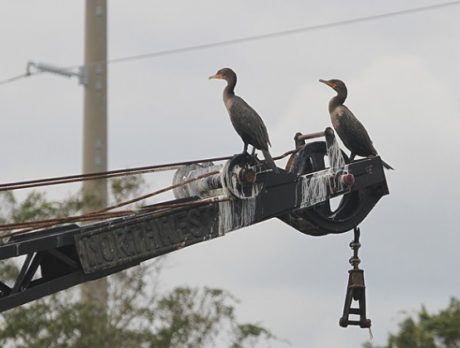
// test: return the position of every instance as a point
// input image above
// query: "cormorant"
(350, 130)
(247, 123)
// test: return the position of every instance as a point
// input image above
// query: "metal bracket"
(81, 74)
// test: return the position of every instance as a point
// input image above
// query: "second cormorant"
(353, 134)
(247, 123)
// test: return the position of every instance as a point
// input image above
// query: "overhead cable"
(266, 36)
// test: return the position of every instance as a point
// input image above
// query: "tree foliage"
(138, 314)
(136, 317)
(439, 330)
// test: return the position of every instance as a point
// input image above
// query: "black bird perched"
(347, 126)
(245, 119)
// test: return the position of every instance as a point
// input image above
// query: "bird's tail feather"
(386, 165)
(270, 161)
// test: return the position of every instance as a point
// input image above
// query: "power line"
(258, 37)
(14, 78)
(281, 33)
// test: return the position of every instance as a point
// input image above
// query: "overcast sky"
(403, 79)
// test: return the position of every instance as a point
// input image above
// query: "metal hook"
(355, 290)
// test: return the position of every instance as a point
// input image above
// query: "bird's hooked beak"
(329, 83)
(216, 77)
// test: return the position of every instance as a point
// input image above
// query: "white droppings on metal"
(256, 188)
(5, 236)
(314, 188)
(248, 211)
(317, 186)
(338, 167)
(225, 217)
(195, 188)
(200, 186)
(234, 178)
(236, 214)
(237, 188)
(335, 156)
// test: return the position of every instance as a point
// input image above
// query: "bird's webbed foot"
(245, 148)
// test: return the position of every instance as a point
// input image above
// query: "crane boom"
(242, 194)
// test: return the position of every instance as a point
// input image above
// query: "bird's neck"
(338, 100)
(229, 91)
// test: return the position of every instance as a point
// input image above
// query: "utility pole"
(95, 124)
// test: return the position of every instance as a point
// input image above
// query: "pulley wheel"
(322, 218)
(239, 176)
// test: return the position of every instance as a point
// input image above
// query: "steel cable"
(96, 215)
(31, 226)
(113, 173)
